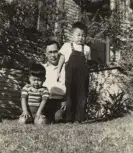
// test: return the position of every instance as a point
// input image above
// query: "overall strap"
(83, 51)
(83, 48)
(73, 47)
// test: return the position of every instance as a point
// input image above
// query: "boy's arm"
(60, 64)
(41, 107)
(25, 113)
(45, 96)
(24, 106)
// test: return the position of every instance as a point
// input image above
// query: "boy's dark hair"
(37, 70)
(79, 25)
(51, 42)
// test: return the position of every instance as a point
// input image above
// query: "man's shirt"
(57, 89)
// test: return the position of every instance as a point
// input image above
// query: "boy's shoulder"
(44, 91)
(66, 44)
(65, 48)
(43, 88)
(86, 47)
(28, 87)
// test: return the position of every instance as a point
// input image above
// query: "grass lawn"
(114, 136)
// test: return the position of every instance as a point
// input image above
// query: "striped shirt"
(34, 96)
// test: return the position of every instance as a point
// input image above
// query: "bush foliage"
(26, 25)
(24, 28)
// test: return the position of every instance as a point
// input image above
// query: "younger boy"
(34, 96)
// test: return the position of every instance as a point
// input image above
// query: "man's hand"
(63, 105)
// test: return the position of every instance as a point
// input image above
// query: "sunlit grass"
(114, 136)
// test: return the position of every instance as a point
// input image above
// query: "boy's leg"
(82, 91)
(71, 103)
(23, 119)
(70, 94)
(40, 120)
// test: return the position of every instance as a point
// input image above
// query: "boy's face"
(78, 36)
(36, 82)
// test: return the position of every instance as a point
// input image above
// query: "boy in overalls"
(75, 55)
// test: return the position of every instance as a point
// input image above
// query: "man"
(56, 105)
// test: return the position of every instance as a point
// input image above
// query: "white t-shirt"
(51, 80)
(66, 50)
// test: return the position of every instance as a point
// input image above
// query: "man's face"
(52, 54)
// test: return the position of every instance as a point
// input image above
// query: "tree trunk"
(39, 5)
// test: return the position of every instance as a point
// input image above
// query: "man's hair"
(51, 42)
(37, 70)
(79, 25)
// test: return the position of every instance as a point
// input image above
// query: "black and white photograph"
(66, 76)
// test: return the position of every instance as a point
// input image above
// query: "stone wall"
(108, 94)
(11, 82)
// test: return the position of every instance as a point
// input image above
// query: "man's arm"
(60, 64)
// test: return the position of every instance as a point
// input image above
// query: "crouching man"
(56, 105)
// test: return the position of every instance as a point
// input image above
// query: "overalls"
(77, 80)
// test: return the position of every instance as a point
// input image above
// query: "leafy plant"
(24, 28)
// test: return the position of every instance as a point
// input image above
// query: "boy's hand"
(39, 120)
(26, 115)
(38, 114)
(58, 76)
(63, 105)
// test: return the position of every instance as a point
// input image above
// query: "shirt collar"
(50, 65)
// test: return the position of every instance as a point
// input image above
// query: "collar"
(50, 65)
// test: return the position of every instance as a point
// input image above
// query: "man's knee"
(59, 115)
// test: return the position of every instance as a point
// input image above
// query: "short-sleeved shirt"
(66, 50)
(56, 89)
(34, 96)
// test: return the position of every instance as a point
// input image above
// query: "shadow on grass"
(104, 119)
